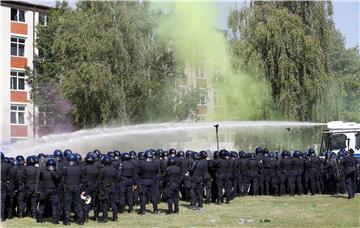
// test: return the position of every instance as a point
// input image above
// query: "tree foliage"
(291, 42)
(105, 58)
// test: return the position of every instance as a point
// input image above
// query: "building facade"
(205, 78)
(18, 21)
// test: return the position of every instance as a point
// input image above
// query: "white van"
(339, 135)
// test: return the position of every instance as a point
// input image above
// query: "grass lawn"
(300, 211)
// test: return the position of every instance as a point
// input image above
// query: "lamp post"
(217, 135)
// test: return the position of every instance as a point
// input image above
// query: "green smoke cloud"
(192, 29)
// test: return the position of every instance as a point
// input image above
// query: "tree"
(289, 42)
(105, 58)
(345, 63)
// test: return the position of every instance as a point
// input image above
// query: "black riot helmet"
(258, 150)
(125, 157)
(203, 154)
(180, 154)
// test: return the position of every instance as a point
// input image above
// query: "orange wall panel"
(19, 28)
(18, 131)
(18, 96)
(18, 62)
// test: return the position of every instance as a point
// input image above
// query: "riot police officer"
(108, 177)
(149, 175)
(253, 174)
(90, 185)
(350, 165)
(50, 179)
(128, 180)
(72, 175)
(172, 177)
(223, 167)
(5, 179)
(31, 172)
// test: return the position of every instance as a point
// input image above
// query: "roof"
(25, 5)
(342, 126)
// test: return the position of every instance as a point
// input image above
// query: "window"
(17, 114)
(203, 96)
(218, 75)
(17, 46)
(199, 72)
(357, 141)
(42, 18)
(17, 15)
(338, 142)
(17, 80)
(217, 101)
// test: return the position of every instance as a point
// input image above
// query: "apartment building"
(18, 21)
(205, 78)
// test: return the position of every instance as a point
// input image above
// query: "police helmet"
(71, 158)
(233, 154)
(242, 154)
(180, 154)
(265, 150)
(117, 154)
(203, 154)
(90, 158)
(31, 160)
(148, 154)
(327, 154)
(216, 154)
(67, 152)
(285, 154)
(14, 163)
(58, 153)
(258, 150)
(311, 152)
(96, 152)
(50, 162)
(341, 154)
(106, 160)
(296, 154)
(155, 153)
(7, 160)
(20, 159)
(125, 156)
(188, 153)
(141, 156)
(133, 154)
(41, 155)
(2, 156)
(252, 155)
(332, 154)
(111, 154)
(195, 156)
(223, 153)
(172, 151)
(164, 154)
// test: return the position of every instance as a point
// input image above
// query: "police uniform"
(172, 175)
(149, 175)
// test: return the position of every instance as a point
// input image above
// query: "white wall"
(4, 75)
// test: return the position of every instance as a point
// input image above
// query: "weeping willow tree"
(289, 42)
(105, 58)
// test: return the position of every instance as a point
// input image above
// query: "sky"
(346, 16)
